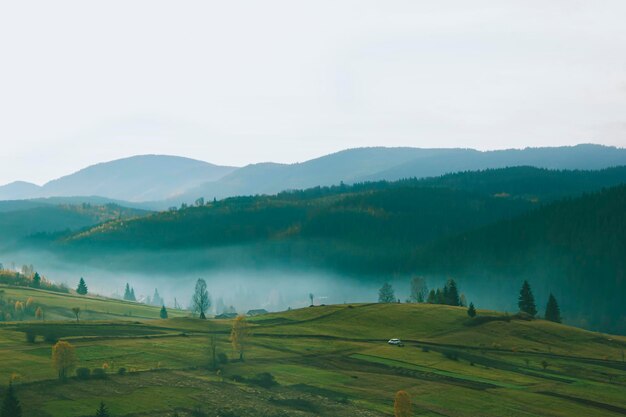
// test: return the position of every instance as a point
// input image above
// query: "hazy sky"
(235, 82)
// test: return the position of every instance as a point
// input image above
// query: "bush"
(98, 373)
(264, 379)
(425, 349)
(30, 336)
(222, 357)
(83, 373)
(451, 355)
(121, 371)
(51, 337)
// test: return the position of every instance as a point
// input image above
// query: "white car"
(394, 342)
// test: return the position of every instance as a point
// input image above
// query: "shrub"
(83, 373)
(425, 349)
(98, 373)
(264, 379)
(222, 357)
(121, 371)
(30, 336)
(451, 355)
(50, 337)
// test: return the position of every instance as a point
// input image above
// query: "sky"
(239, 82)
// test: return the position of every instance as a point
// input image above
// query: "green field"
(326, 361)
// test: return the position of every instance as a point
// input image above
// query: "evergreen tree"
(82, 287)
(386, 294)
(553, 313)
(439, 297)
(471, 311)
(432, 297)
(526, 301)
(462, 301)
(163, 313)
(36, 280)
(11, 405)
(451, 293)
(102, 411)
(127, 292)
(156, 298)
(132, 295)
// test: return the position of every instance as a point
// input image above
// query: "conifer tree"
(439, 296)
(526, 300)
(451, 293)
(163, 313)
(432, 297)
(127, 292)
(36, 280)
(386, 294)
(102, 411)
(132, 295)
(82, 287)
(11, 406)
(553, 313)
(471, 311)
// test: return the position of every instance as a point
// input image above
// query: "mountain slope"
(19, 190)
(139, 178)
(373, 164)
(18, 224)
(574, 248)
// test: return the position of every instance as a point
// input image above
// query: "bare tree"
(76, 311)
(201, 299)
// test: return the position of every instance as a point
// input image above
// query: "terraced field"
(322, 361)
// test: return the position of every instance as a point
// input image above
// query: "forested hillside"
(490, 229)
(575, 248)
(19, 220)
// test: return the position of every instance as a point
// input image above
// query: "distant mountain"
(135, 179)
(399, 214)
(159, 182)
(19, 190)
(372, 164)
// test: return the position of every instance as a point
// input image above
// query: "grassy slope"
(330, 360)
(57, 306)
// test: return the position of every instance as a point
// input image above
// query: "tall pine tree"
(451, 293)
(82, 287)
(526, 301)
(11, 405)
(127, 292)
(553, 313)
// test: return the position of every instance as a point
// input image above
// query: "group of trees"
(29, 278)
(129, 293)
(419, 293)
(526, 304)
(11, 309)
(448, 295)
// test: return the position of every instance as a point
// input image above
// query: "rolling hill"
(136, 179)
(490, 230)
(163, 181)
(374, 164)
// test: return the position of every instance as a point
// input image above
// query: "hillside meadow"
(323, 360)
